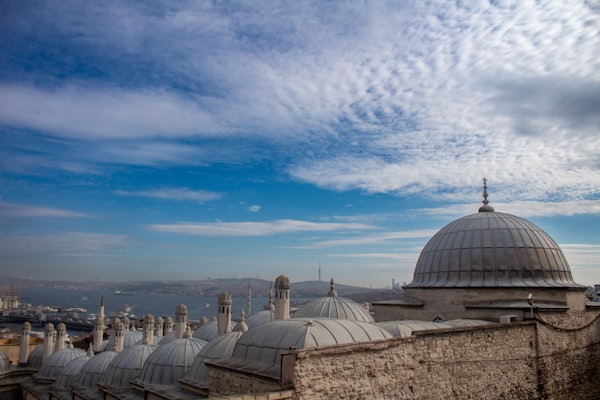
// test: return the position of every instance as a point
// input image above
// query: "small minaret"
(282, 297)
(101, 312)
(181, 320)
(148, 329)
(98, 334)
(332, 292)
(119, 337)
(24, 343)
(224, 318)
(168, 325)
(61, 331)
(159, 326)
(241, 326)
(49, 337)
(249, 299)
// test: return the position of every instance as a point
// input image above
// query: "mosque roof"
(259, 350)
(127, 365)
(208, 331)
(170, 362)
(259, 318)
(407, 327)
(34, 359)
(70, 372)
(56, 362)
(491, 249)
(218, 348)
(334, 307)
(92, 372)
(130, 338)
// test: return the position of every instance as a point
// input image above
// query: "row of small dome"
(254, 345)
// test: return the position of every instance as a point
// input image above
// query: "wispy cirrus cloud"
(267, 228)
(10, 210)
(177, 194)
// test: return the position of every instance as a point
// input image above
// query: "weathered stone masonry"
(555, 357)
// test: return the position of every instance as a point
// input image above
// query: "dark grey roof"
(407, 327)
(207, 331)
(336, 308)
(259, 318)
(170, 362)
(492, 249)
(129, 339)
(218, 348)
(57, 361)
(259, 349)
(34, 359)
(93, 370)
(69, 373)
(127, 365)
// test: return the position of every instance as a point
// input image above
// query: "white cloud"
(378, 238)
(23, 210)
(418, 98)
(521, 208)
(255, 228)
(178, 194)
(254, 208)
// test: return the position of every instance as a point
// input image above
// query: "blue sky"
(189, 140)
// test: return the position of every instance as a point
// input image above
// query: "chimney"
(24, 344)
(119, 336)
(148, 329)
(159, 326)
(282, 297)
(48, 346)
(224, 319)
(60, 336)
(181, 320)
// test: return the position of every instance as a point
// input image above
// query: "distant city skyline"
(173, 141)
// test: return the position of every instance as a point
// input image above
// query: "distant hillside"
(237, 287)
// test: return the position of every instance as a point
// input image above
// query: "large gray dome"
(491, 249)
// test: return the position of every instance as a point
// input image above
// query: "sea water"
(139, 304)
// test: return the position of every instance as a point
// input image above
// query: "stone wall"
(569, 355)
(556, 357)
(470, 363)
(225, 382)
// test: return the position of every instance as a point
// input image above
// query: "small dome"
(282, 282)
(93, 371)
(335, 308)
(260, 349)
(4, 362)
(168, 338)
(167, 364)
(208, 331)
(69, 373)
(127, 366)
(34, 359)
(56, 362)
(491, 249)
(218, 348)
(130, 338)
(259, 318)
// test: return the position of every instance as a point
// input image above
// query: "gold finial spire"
(486, 207)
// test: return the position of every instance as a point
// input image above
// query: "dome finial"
(485, 207)
(332, 292)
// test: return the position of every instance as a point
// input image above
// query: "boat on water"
(121, 293)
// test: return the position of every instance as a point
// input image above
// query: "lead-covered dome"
(492, 249)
